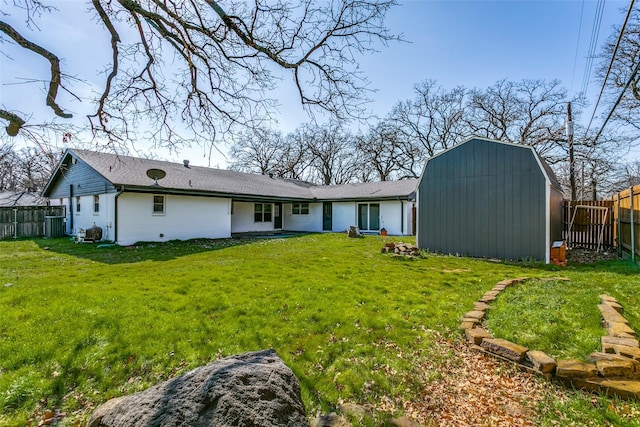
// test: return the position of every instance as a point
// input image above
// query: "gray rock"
(357, 410)
(354, 231)
(250, 389)
(331, 420)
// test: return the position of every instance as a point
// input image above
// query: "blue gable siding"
(84, 179)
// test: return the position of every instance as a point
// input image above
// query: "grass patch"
(80, 325)
(557, 317)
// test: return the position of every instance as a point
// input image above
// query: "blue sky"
(476, 43)
(457, 43)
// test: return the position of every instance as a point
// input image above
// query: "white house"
(134, 199)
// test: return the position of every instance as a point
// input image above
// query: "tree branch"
(56, 75)
(115, 39)
(15, 122)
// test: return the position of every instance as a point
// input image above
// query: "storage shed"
(490, 199)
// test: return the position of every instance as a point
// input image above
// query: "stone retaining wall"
(614, 371)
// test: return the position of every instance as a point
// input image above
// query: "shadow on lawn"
(142, 251)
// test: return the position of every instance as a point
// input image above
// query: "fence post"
(633, 234)
(618, 227)
(15, 223)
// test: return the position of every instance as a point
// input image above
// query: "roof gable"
(543, 165)
(72, 170)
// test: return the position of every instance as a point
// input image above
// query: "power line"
(575, 58)
(631, 78)
(593, 44)
(613, 56)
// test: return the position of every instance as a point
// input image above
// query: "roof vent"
(186, 163)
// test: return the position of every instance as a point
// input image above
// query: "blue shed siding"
(85, 180)
(484, 198)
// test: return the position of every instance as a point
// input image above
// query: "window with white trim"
(262, 212)
(96, 203)
(300, 209)
(78, 204)
(158, 204)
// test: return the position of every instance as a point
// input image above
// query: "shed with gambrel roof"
(490, 199)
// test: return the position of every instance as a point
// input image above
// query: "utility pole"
(572, 172)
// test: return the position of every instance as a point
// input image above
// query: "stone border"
(613, 371)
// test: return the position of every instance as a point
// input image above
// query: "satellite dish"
(156, 174)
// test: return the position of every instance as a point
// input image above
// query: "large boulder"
(250, 389)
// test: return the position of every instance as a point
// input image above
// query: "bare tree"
(8, 160)
(381, 152)
(624, 76)
(267, 151)
(629, 176)
(295, 159)
(27, 169)
(432, 121)
(206, 67)
(35, 167)
(257, 151)
(334, 158)
(530, 112)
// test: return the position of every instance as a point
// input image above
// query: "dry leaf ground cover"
(475, 390)
(80, 325)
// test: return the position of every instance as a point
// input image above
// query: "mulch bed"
(473, 389)
(468, 388)
(589, 256)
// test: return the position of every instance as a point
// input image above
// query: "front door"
(327, 209)
(277, 216)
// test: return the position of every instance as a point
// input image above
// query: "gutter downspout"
(70, 209)
(115, 215)
(401, 216)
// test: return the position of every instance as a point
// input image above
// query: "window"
(78, 204)
(300, 209)
(262, 212)
(96, 203)
(158, 204)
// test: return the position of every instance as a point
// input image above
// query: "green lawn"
(79, 325)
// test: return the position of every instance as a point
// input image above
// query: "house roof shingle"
(132, 172)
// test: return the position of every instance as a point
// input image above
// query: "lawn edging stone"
(614, 371)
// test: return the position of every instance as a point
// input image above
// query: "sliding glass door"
(369, 216)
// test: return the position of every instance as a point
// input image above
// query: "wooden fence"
(26, 221)
(627, 217)
(592, 224)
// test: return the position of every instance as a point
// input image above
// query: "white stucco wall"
(395, 216)
(185, 217)
(343, 216)
(391, 216)
(243, 221)
(311, 222)
(408, 218)
(86, 218)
